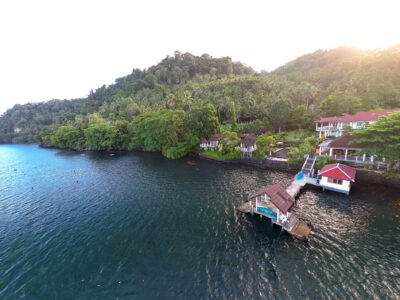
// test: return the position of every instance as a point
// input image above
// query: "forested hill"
(371, 75)
(323, 83)
(161, 86)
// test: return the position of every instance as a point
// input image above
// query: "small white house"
(248, 145)
(211, 143)
(337, 177)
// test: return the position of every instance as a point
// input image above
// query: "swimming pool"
(267, 211)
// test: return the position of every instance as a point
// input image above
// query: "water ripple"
(138, 225)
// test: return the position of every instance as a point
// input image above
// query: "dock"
(292, 224)
(294, 227)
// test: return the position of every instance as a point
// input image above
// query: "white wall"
(345, 186)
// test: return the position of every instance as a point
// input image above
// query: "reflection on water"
(136, 225)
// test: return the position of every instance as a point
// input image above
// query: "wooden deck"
(295, 227)
(294, 188)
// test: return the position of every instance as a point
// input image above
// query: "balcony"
(329, 128)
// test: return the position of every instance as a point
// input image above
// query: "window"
(335, 181)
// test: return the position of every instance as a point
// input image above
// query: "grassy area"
(298, 135)
(217, 154)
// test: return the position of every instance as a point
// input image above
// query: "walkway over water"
(294, 226)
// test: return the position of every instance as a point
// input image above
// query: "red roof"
(338, 171)
(278, 195)
(215, 137)
(358, 117)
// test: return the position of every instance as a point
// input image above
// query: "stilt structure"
(274, 202)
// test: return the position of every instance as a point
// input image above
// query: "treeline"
(324, 83)
(172, 132)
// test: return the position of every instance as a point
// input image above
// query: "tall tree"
(280, 113)
(382, 137)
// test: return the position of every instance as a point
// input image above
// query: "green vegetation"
(173, 105)
(322, 161)
(296, 154)
(265, 144)
(228, 142)
(382, 138)
(218, 154)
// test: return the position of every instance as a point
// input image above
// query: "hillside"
(323, 83)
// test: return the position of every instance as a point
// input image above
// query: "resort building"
(274, 202)
(342, 149)
(248, 145)
(335, 126)
(337, 177)
(212, 142)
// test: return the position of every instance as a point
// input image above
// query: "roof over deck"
(343, 142)
(278, 195)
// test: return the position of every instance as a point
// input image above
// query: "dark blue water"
(139, 226)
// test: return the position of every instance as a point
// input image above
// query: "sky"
(63, 49)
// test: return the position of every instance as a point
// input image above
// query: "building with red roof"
(337, 177)
(334, 126)
(274, 202)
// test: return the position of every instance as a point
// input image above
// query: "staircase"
(308, 165)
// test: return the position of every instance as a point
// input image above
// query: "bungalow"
(337, 177)
(248, 145)
(274, 202)
(212, 142)
(335, 126)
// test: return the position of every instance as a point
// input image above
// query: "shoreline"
(363, 176)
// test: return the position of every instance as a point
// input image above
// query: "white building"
(334, 126)
(248, 145)
(211, 143)
(337, 177)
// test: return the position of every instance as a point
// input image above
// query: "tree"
(296, 154)
(340, 102)
(157, 131)
(280, 112)
(101, 136)
(382, 137)
(229, 140)
(265, 144)
(234, 121)
(67, 137)
(323, 160)
(202, 121)
(300, 117)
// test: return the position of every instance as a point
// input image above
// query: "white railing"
(329, 128)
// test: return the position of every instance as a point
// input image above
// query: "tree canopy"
(204, 92)
(382, 137)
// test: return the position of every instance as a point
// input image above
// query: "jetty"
(305, 176)
(274, 202)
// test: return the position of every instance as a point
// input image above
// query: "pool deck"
(295, 227)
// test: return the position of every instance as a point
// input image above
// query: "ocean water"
(139, 226)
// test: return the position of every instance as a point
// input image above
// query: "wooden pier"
(292, 224)
(295, 227)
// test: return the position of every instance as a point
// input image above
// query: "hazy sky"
(63, 49)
